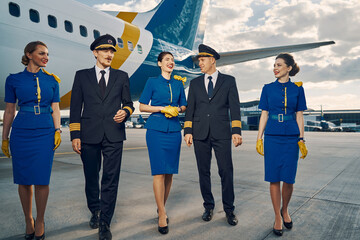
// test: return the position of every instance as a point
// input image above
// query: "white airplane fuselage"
(69, 51)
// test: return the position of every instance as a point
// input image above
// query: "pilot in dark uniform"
(282, 103)
(100, 105)
(212, 120)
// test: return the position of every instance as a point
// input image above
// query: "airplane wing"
(227, 58)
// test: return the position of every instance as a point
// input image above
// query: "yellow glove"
(5, 147)
(260, 147)
(57, 139)
(170, 111)
(303, 149)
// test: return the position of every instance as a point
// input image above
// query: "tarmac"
(325, 203)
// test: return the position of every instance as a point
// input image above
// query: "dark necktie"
(102, 83)
(210, 87)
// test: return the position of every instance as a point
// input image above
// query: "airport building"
(315, 120)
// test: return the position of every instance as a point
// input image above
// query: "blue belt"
(36, 109)
(281, 117)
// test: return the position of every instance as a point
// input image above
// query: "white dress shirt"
(106, 76)
(214, 78)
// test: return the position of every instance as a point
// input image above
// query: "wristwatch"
(302, 139)
(58, 129)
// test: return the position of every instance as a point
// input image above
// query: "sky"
(330, 74)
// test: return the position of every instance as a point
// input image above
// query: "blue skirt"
(164, 151)
(281, 158)
(32, 155)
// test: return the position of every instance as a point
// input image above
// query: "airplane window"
(120, 43)
(96, 34)
(68, 26)
(52, 21)
(139, 47)
(34, 15)
(130, 46)
(83, 31)
(14, 9)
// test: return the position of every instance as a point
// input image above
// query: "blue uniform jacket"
(22, 86)
(163, 92)
(282, 98)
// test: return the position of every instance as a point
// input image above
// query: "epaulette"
(299, 84)
(183, 79)
(51, 74)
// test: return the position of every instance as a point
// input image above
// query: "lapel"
(93, 81)
(203, 92)
(112, 79)
(219, 81)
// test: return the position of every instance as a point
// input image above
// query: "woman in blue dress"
(163, 136)
(282, 103)
(35, 132)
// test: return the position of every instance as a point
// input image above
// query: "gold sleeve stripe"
(236, 123)
(188, 124)
(74, 127)
(128, 108)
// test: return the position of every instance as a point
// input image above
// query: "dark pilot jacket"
(220, 114)
(282, 101)
(91, 115)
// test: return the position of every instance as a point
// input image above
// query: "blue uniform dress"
(282, 101)
(32, 135)
(163, 135)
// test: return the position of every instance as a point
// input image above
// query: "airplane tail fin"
(180, 22)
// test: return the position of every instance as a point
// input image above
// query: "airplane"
(69, 27)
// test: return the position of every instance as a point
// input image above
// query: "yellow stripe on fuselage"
(127, 16)
(131, 33)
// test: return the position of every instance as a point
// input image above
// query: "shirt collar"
(97, 70)
(277, 80)
(214, 75)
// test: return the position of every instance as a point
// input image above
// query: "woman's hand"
(57, 139)
(303, 149)
(260, 146)
(5, 147)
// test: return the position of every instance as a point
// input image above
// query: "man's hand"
(188, 139)
(120, 116)
(76, 145)
(237, 139)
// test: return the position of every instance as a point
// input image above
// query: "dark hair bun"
(295, 69)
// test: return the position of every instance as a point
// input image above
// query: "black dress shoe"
(231, 218)
(288, 225)
(31, 235)
(207, 215)
(94, 220)
(104, 231)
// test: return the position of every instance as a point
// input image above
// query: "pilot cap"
(206, 51)
(103, 42)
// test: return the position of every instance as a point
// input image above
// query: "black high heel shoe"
(42, 237)
(277, 232)
(31, 235)
(288, 225)
(163, 230)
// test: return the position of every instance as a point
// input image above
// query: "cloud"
(128, 6)
(330, 74)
